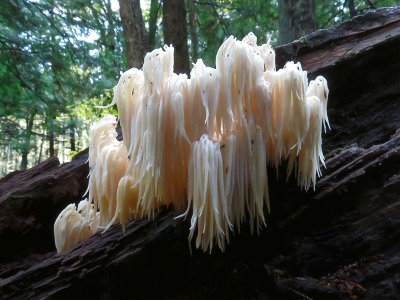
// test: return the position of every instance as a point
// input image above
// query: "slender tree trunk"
(72, 138)
(7, 158)
(36, 148)
(193, 33)
(154, 8)
(41, 151)
(134, 32)
(52, 110)
(296, 19)
(28, 134)
(51, 134)
(51, 142)
(72, 134)
(352, 8)
(175, 32)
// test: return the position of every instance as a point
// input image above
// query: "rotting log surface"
(29, 204)
(341, 241)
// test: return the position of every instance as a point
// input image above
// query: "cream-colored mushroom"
(203, 144)
(74, 225)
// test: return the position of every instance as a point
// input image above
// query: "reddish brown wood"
(30, 202)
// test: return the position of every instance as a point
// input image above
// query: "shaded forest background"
(61, 59)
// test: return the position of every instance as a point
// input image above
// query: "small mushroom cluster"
(202, 144)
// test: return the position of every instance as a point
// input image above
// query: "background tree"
(134, 32)
(175, 33)
(193, 33)
(153, 18)
(296, 19)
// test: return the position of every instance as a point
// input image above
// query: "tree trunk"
(134, 32)
(56, 84)
(27, 142)
(7, 153)
(154, 8)
(51, 142)
(175, 33)
(40, 151)
(341, 241)
(72, 137)
(352, 9)
(193, 33)
(296, 19)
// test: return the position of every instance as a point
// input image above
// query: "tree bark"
(341, 241)
(72, 137)
(28, 135)
(296, 19)
(193, 33)
(134, 32)
(51, 142)
(352, 9)
(175, 33)
(40, 151)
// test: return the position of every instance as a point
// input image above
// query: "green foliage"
(59, 60)
(88, 111)
(330, 13)
(55, 56)
(216, 20)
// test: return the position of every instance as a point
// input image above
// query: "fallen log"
(30, 202)
(341, 241)
(326, 229)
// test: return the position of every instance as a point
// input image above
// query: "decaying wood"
(318, 236)
(340, 241)
(29, 204)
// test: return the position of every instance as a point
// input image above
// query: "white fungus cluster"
(74, 225)
(202, 144)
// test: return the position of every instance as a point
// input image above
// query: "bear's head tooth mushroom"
(74, 225)
(201, 144)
